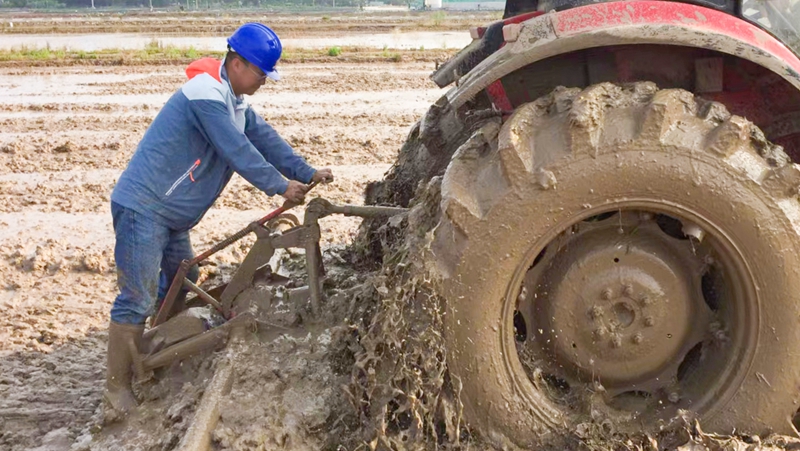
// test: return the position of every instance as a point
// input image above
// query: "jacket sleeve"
(214, 122)
(275, 149)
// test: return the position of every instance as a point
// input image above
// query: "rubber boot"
(123, 342)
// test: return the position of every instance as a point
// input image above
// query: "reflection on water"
(89, 42)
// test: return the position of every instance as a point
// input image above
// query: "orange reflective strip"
(191, 171)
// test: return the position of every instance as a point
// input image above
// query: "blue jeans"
(148, 255)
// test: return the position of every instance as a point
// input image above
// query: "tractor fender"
(625, 23)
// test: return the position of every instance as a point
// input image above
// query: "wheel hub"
(620, 314)
(619, 300)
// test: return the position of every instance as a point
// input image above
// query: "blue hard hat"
(259, 45)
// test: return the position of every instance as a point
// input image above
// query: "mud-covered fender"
(624, 23)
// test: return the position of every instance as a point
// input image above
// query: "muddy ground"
(65, 136)
(67, 132)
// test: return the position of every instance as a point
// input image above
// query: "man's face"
(257, 76)
(247, 78)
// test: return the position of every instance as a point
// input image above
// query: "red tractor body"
(710, 52)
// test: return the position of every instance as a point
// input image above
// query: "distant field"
(155, 55)
(138, 37)
(218, 23)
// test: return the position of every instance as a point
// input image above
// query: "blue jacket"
(188, 154)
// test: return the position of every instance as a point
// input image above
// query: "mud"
(285, 395)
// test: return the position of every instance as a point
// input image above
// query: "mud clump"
(64, 148)
(11, 148)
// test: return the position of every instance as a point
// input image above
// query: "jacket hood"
(210, 66)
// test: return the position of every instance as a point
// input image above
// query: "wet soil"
(65, 136)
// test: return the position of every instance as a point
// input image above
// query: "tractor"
(618, 236)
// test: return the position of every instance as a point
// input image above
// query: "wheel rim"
(620, 311)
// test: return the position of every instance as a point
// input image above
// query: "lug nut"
(616, 341)
(649, 321)
(674, 397)
(638, 338)
(606, 294)
(627, 289)
(596, 312)
(645, 299)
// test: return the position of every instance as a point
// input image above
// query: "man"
(204, 133)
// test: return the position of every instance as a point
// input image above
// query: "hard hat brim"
(273, 75)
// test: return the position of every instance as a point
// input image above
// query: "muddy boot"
(123, 342)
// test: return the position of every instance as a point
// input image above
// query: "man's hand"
(295, 192)
(323, 176)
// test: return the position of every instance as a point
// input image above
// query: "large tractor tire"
(617, 257)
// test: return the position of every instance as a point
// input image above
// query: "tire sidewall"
(479, 329)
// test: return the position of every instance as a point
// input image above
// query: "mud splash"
(400, 385)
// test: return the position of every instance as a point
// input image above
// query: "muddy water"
(322, 90)
(89, 42)
(67, 133)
